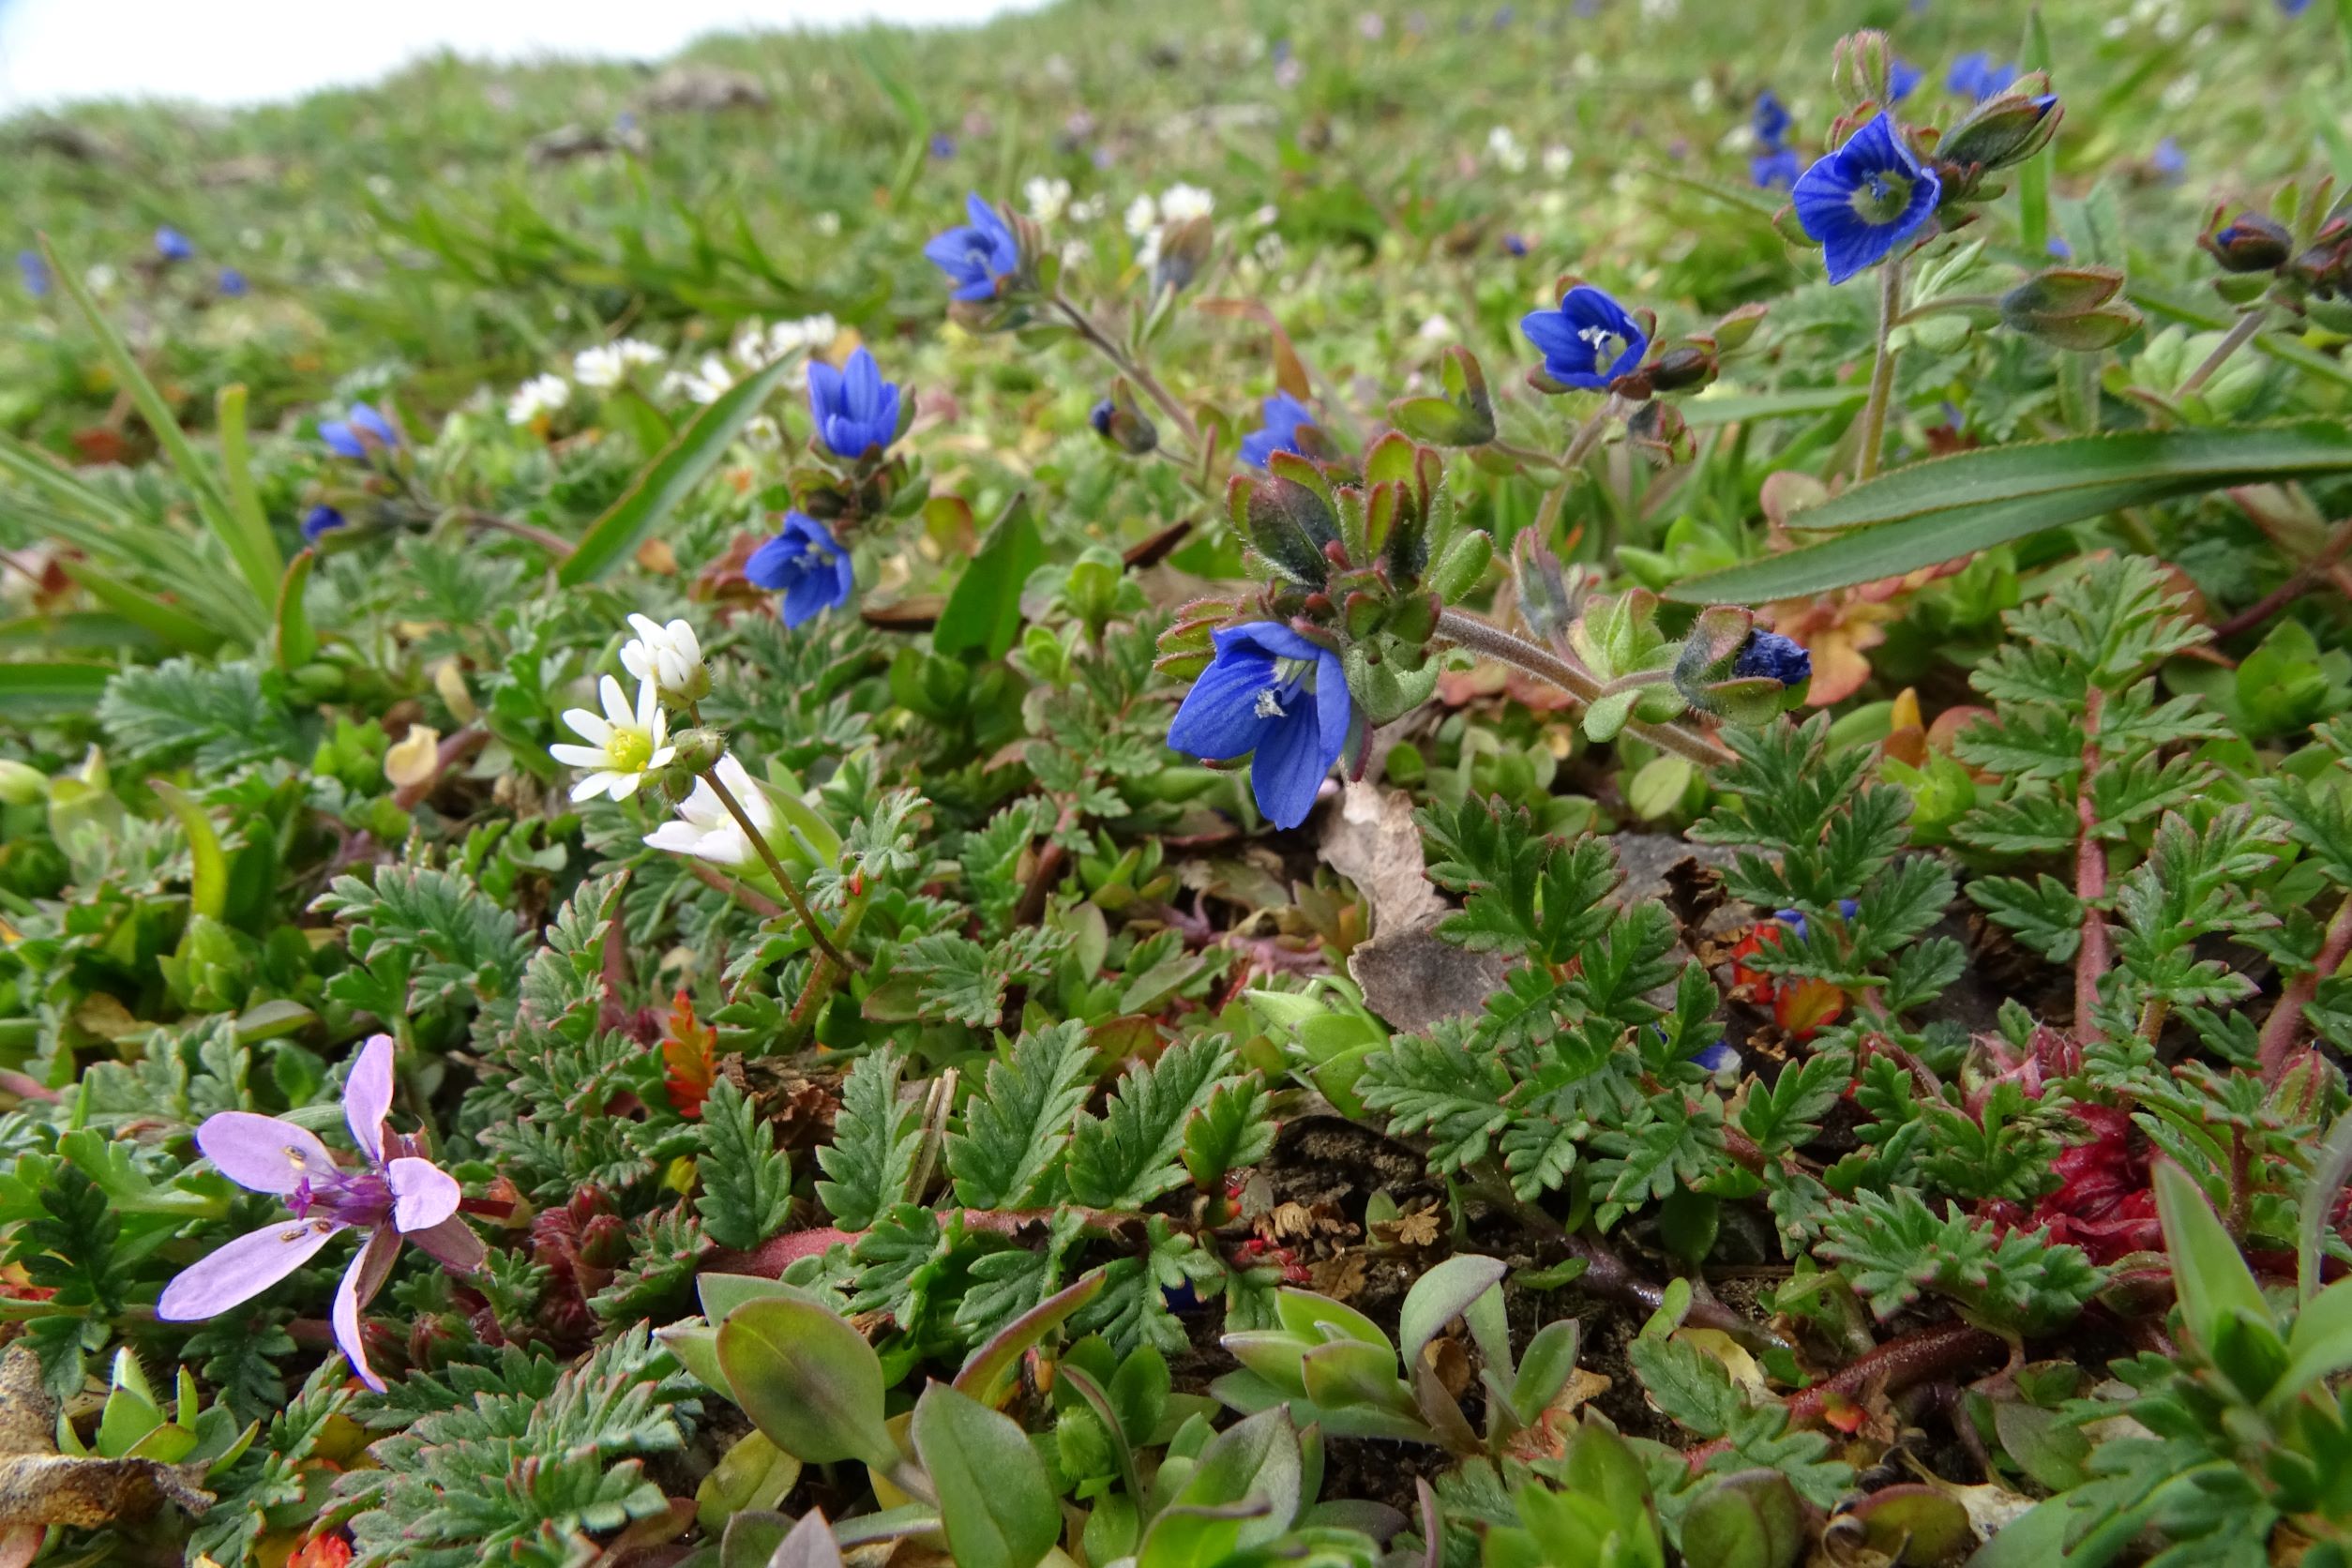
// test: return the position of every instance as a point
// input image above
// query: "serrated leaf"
(875, 1139)
(1131, 1153)
(1008, 1150)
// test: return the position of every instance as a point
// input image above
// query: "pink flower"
(398, 1194)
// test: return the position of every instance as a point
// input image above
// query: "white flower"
(1503, 148)
(607, 365)
(706, 384)
(671, 656)
(1143, 216)
(1436, 329)
(706, 829)
(1089, 209)
(828, 223)
(623, 746)
(540, 394)
(1180, 202)
(1265, 217)
(1556, 159)
(1047, 198)
(813, 333)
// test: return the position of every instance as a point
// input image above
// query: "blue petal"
(1333, 707)
(824, 390)
(1270, 639)
(809, 597)
(340, 441)
(862, 386)
(1218, 719)
(1288, 769)
(778, 563)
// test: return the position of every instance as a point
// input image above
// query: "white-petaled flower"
(813, 333)
(706, 829)
(1557, 159)
(828, 223)
(1048, 198)
(1503, 149)
(1143, 216)
(669, 656)
(706, 384)
(622, 745)
(1436, 329)
(1181, 202)
(540, 394)
(607, 365)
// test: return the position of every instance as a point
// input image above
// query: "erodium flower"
(806, 565)
(395, 1194)
(1273, 697)
(623, 745)
(706, 829)
(1864, 200)
(361, 435)
(855, 410)
(977, 256)
(669, 655)
(1587, 341)
(1285, 417)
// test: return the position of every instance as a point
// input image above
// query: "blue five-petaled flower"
(806, 565)
(1978, 75)
(1278, 699)
(172, 245)
(855, 410)
(319, 521)
(977, 256)
(1776, 170)
(1769, 655)
(353, 437)
(1285, 417)
(1865, 199)
(1589, 342)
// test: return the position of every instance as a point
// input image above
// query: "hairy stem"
(775, 869)
(554, 544)
(1873, 431)
(1463, 630)
(2093, 958)
(2239, 335)
(2303, 579)
(749, 898)
(1897, 1365)
(1084, 326)
(2278, 1030)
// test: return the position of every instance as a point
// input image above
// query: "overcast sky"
(232, 52)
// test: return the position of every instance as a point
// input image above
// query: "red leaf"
(689, 1059)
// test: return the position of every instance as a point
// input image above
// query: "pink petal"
(368, 1096)
(361, 1281)
(243, 1269)
(452, 1244)
(423, 1194)
(263, 1152)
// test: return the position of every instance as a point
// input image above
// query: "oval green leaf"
(994, 1497)
(808, 1380)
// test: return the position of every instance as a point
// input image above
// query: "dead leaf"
(1410, 976)
(40, 1486)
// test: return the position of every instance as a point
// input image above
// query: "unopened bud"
(21, 784)
(2249, 243)
(698, 751)
(1118, 420)
(2003, 130)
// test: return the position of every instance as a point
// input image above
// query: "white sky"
(232, 52)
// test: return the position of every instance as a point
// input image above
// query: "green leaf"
(994, 1499)
(38, 690)
(1256, 1459)
(1007, 1154)
(250, 541)
(982, 613)
(297, 643)
(808, 1380)
(1230, 1131)
(669, 479)
(167, 622)
(746, 1181)
(989, 1374)
(208, 886)
(1947, 507)
(1131, 1155)
(875, 1137)
(2208, 1274)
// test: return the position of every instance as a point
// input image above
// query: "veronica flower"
(358, 436)
(398, 1194)
(855, 410)
(35, 271)
(1587, 341)
(806, 565)
(623, 745)
(1716, 1058)
(1285, 417)
(1278, 699)
(536, 399)
(1776, 170)
(1866, 198)
(2169, 162)
(1771, 119)
(172, 245)
(319, 521)
(978, 256)
(231, 282)
(669, 656)
(1978, 75)
(1903, 79)
(1774, 657)
(706, 830)
(942, 145)
(606, 365)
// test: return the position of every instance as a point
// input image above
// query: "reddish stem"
(1915, 1358)
(2304, 579)
(2278, 1030)
(2090, 876)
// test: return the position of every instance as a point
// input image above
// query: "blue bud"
(1769, 655)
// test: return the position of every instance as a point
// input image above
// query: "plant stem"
(1526, 456)
(749, 898)
(2278, 1030)
(2240, 333)
(1895, 1365)
(1588, 436)
(1463, 630)
(1084, 326)
(1874, 434)
(554, 544)
(2304, 579)
(2091, 958)
(775, 869)
(1947, 303)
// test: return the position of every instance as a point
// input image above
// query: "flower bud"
(1185, 248)
(2249, 243)
(2004, 130)
(1861, 70)
(1682, 367)
(21, 784)
(1463, 565)
(698, 751)
(1288, 524)
(1465, 417)
(1118, 420)
(2071, 308)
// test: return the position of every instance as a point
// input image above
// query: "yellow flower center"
(629, 750)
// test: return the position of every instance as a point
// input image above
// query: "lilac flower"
(1865, 199)
(1776, 170)
(35, 271)
(231, 282)
(1774, 657)
(1587, 341)
(172, 245)
(855, 410)
(1278, 699)
(1285, 417)
(321, 520)
(399, 1194)
(806, 565)
(359, 435)
(979, 256)
(1978, 75)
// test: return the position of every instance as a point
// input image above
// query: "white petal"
(646, 626)
(623, 785)
(593, 786)
(649, 709)
(676, 839)
(616, 703)
(662, 757)
(588, 726)
(578, 755)
(637, 659)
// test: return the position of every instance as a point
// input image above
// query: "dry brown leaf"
(40, 1486)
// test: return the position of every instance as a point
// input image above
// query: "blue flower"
(1864, 199)
(942, 145)
(2294, 7)
(2059, 248)
(172, 245)
(1978, 75)
(1100, 417)
(231, 282)
(2169, 160)
(1776, 170)
(1795, 919)
(1902, 80)
(35, 271)
(1589, 342)
(1771, 119)
(1278, 699)
(855, 410)
(979, 256)
(1774, 657)
(1284, 416)
(1716, 1058)
(354, 437)
(321, 520)
(806, 565)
